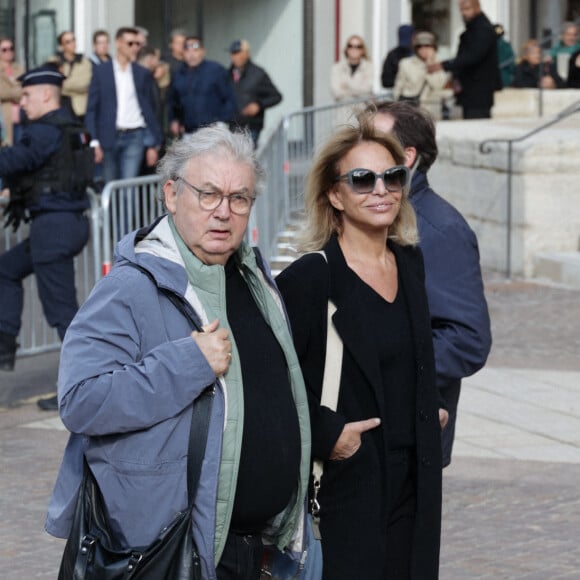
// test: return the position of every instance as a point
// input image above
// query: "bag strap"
(198, 440)
(201, 406)
(329, 396)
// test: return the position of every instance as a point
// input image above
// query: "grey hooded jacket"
(128, 376)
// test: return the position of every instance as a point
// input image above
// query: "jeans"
(124, 159)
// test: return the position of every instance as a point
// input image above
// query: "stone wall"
(510, 103)
(545, 186)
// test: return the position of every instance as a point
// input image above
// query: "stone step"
(287, 249)
(558, 267)
(286, 237)
(279, 262)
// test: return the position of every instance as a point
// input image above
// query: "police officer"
(40, 172)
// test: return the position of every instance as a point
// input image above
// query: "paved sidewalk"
(511, 499)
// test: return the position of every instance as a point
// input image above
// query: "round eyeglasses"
(239, 203)
(363, 181)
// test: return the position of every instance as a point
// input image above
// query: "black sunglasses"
(361, 181)
(354, 45)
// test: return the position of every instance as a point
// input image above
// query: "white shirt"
(129, 115)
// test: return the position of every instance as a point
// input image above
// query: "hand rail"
(485, 148)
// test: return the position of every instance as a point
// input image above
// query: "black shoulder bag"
(91, 552)
(415, 100)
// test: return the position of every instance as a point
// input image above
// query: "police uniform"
(58, 227)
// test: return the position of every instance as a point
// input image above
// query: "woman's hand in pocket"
(349, 441)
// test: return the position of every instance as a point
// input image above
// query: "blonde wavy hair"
(322, 219)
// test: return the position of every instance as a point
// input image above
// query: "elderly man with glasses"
(131, 368)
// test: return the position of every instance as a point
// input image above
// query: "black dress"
(387, 372)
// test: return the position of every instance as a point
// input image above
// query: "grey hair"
(177, 32)
(215, 139)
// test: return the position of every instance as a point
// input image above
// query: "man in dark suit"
(459, 316)
(475, 68)
(121, 111)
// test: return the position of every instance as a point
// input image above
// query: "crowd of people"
(132, 103)
(413, 72)
(386, 307)
(136, 99)
(485, 62)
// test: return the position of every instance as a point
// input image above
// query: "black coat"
(353, 494)
(527, 76)
(573, 81)
(254, 86)
(476, 64)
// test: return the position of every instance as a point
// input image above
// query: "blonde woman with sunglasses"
(352, 77)
(380, 495)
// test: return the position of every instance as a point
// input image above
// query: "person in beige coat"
(352, 77)
(413, 82)
(10, 90)
(77, 71)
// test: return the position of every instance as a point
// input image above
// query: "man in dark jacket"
(255, 91)
(475, 68)
(41, 174)
(200, 93)
(459, 316)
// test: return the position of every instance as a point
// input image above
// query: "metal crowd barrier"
(36, 336)
(123, 206)
(287, 155)
(126, 205)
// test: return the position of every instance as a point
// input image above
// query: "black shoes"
(50, 404)
(8, 346)
(7, 351)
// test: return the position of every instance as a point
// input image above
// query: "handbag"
(415, 100)
(91, 552)
(329, 398)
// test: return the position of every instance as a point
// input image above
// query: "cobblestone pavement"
(534, 326)
(505, 516)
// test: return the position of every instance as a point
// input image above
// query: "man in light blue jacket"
(131, 367)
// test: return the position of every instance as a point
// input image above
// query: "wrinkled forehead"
(221, 170)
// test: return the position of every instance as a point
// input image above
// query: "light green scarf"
(209, 283)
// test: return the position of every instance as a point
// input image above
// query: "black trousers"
(241, 558)
(370, 540)
(401, 519)
(481, 113)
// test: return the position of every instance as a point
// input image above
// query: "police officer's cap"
(43, 75)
